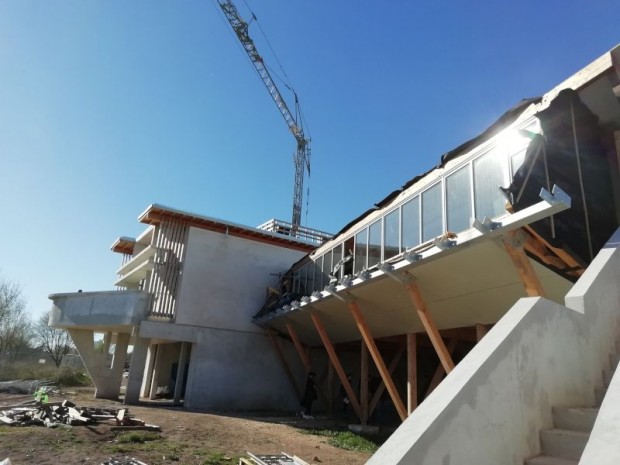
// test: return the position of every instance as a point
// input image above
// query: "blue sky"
(109, 106)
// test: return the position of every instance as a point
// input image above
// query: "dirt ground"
(186, 438)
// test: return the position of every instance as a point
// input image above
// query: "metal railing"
(311, 235)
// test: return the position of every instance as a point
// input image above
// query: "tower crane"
(294, 121)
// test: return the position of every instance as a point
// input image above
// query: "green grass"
(63, 376)
(137, 437)
(346, 440)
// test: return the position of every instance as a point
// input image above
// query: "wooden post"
(522, 263)
(305, 359)
(481, 331)
(430, 327)
(379, 392)
(376, 356)
(364, 382)
(276, 345)
(439, 372)
(412, 373)
(330, 387)
(336, 362)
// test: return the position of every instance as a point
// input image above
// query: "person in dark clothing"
(310, 395)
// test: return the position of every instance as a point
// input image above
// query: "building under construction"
(466, 304)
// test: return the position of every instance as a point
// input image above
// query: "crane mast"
(302, 155)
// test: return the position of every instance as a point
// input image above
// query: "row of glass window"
(470, 191)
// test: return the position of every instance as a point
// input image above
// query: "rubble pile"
(67, 413)
(125, 461)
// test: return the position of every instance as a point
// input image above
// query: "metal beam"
(329, 347)
(376, 356)
(430, 327)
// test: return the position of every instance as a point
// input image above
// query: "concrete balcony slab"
(116, 311)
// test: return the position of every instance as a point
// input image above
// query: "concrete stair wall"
(565, 442)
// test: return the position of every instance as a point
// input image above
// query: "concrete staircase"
(564, 444)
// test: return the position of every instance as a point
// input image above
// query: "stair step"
(599, 395)
(563, 443)
(548, 460)
(575, 419)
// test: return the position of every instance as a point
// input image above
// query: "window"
(361, 249)
(458, 200)
(374, 243)
(488, 176)
(516, 161)
(432, 213)
(337, 256)
(411, 223)
(391, 238)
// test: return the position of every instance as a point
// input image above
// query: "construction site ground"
(186, 437)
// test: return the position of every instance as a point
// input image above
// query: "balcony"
(136, 269)
(116, 311)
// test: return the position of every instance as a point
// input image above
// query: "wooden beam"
(379, 392)
(532, 284)
(481, 331)
(561, 253)
(412, 373)
(430, 327)
(276, 345)
(364, 382)
(439, 372)
(330, 387)
(303, 355)
(329, 347)
(376, 356)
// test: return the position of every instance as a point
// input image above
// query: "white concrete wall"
(490, 409)
(99, 309)
(232, 370)
(225, 279)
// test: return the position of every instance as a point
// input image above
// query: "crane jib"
(302, 155)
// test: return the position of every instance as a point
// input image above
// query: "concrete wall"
(167, 355)
(107, 309)
(490, 409)
(232, 370)
(225, 279)
(603, 448)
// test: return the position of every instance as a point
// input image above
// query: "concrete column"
(136, 370)
(154, 371)
(107, 384)
(148, 376)
(178, 386)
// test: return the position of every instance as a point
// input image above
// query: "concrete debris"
(65, 412)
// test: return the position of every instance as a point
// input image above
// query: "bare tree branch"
(56, 342)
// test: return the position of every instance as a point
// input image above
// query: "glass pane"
(374, 243)
(411, 223)
(302, 280)
(488, 176)
(516, 161)
(391, 240)
(296, 282)
(458, 200)
(337, 256)
(361, 248)
(432, 213)
(310, 280)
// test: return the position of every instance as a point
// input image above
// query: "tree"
(56, 342)
(14, 322)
